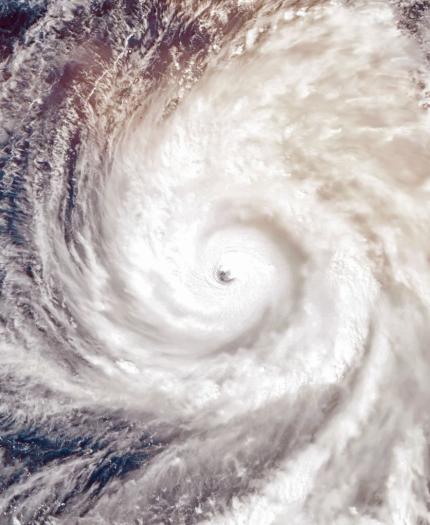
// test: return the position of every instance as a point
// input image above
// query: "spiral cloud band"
(214, 262)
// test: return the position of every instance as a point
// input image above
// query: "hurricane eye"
(225, 276)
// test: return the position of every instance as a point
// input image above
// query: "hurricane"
(214, 262)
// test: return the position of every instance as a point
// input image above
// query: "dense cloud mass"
(214, 262)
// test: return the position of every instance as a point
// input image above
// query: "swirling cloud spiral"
(214, 263)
